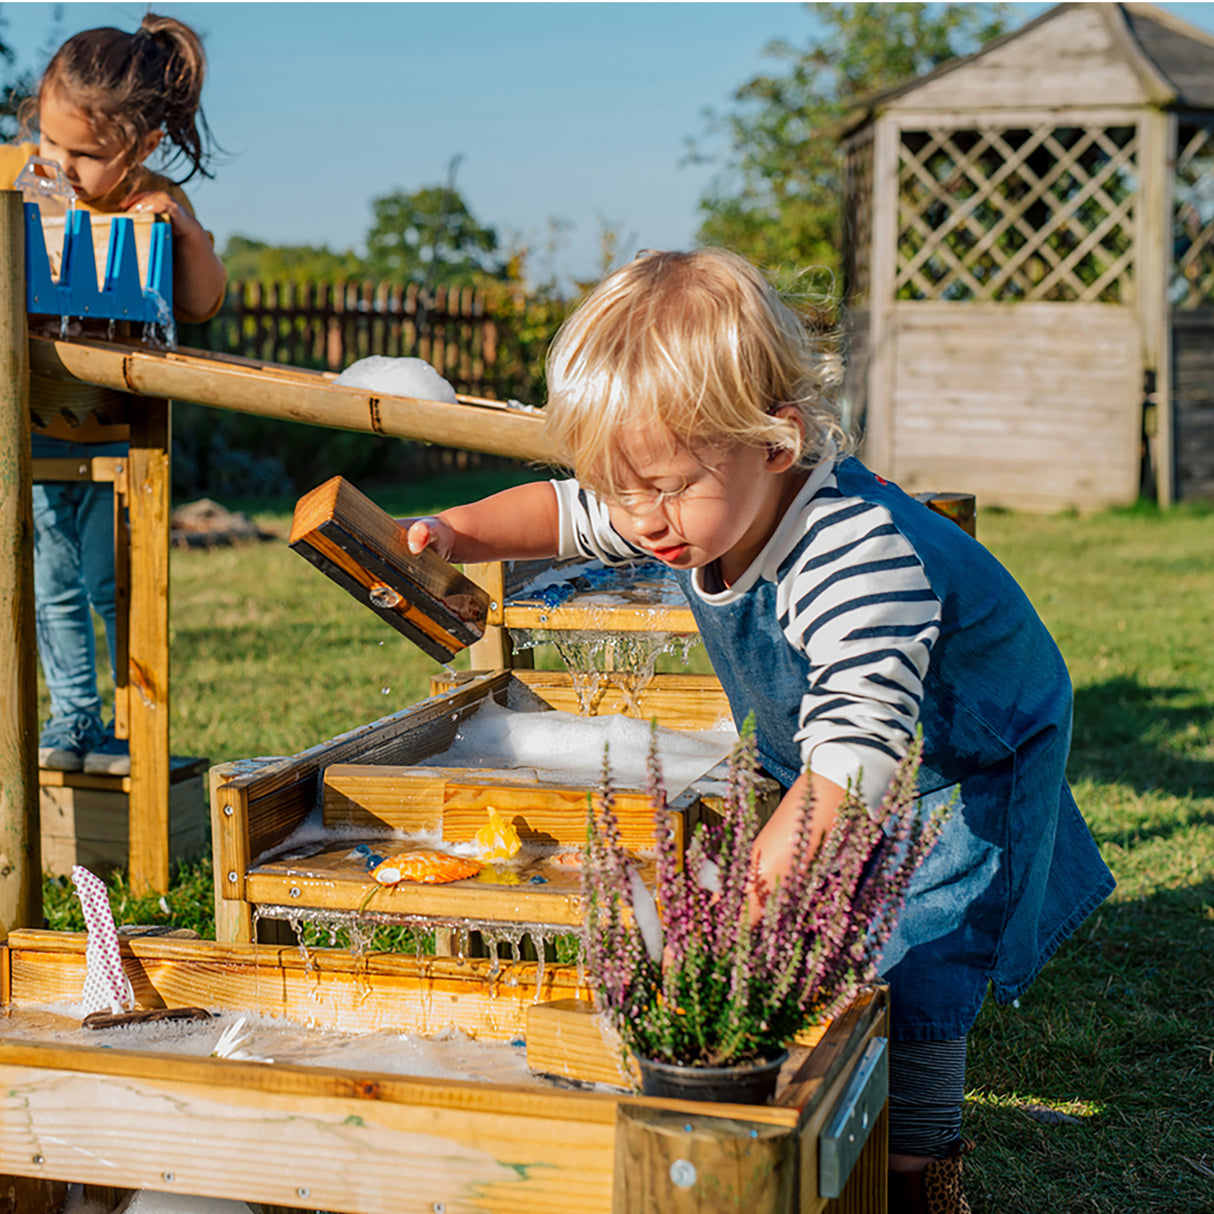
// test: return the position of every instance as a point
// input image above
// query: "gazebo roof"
(1182, 54)
(1090, 55)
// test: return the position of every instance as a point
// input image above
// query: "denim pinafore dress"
(1015, 870)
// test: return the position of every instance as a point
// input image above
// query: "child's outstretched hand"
(429, 532)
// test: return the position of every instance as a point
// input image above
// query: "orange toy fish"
(428, 867)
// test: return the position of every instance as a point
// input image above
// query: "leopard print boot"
(935, 1190)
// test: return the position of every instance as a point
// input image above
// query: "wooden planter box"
(367, 1143)
(368, 776)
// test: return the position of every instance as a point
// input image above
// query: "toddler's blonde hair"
(698, 342)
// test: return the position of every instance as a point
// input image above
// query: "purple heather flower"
(730, 990)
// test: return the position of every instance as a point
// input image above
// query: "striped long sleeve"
(854, 597)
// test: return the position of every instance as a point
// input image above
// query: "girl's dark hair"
(136, 83)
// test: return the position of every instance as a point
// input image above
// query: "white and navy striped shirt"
(851, 596)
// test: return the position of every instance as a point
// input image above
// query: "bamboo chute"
(291, 394)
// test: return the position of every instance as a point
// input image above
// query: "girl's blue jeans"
(73, 571)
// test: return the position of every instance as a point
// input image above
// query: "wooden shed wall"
(1193, 403)
(855, 375)
(1034, 407)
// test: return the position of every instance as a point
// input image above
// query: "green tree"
(430, 236)
(247, 260)
(15, 86)
(776, 199)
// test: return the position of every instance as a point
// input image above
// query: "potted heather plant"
(707, 1001)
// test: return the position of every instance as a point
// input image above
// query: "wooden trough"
(353, 1142)
(370, 777)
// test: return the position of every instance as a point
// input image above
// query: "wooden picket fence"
(464, 333)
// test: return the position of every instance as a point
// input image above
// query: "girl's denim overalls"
(1015, 870)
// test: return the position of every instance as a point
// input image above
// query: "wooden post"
(20, 850)
(1157, 140)
(669, 1162)
(148, 645)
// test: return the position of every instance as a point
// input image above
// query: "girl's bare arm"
(521, 523)
(198, 275)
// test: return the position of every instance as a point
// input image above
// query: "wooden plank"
(148, 657)
(346, 1152)
(455, 802)
(21, 879)
(460, 900)
(105, 469)
(569, 1038)
(362, 548)
(678, 701)
(1037, 406)
(233, 916)
(271, 390)
(122, 601)
(574, 617)
(329, 989)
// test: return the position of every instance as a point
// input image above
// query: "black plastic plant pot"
(749, 1083)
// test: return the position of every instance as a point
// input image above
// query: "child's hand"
(198, 275)
(429, 532)
(158, 202)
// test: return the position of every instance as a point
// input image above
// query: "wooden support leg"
(495, 650)
(683, 1163)
(233, 918)
(20, 858)
(148, 659)
(122, 604)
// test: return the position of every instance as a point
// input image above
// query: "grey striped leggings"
(926, 1086)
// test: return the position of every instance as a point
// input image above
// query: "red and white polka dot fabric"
(106, 986)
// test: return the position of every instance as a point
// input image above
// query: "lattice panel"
(1017, 214)
(1192, 284)
(859, 217)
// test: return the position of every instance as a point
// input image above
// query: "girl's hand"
(429, 532)
(198, 275)
(159, 202)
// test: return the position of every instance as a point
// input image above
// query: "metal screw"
(232, 876)
(39, 1160)
(439, 1207)
(228, 811)
(83, 469)
(492, 606)
(302, 1191)
(294, 891)
(168, 1177)
(683, 1173)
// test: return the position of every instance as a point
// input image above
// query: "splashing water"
(623, 660)
(161, 333)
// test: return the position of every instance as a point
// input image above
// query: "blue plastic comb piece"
(121, 295)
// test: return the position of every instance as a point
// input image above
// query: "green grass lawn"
(269, 658)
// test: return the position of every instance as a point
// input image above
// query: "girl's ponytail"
(180, 77)
(150, 80)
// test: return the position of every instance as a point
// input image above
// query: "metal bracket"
(852, 1119)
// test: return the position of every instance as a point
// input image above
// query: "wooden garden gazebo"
(1030, 265)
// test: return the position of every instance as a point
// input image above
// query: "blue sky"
(573, 111)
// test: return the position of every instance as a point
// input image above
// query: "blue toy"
(121, 296)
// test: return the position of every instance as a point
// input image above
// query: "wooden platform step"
(84, 817)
